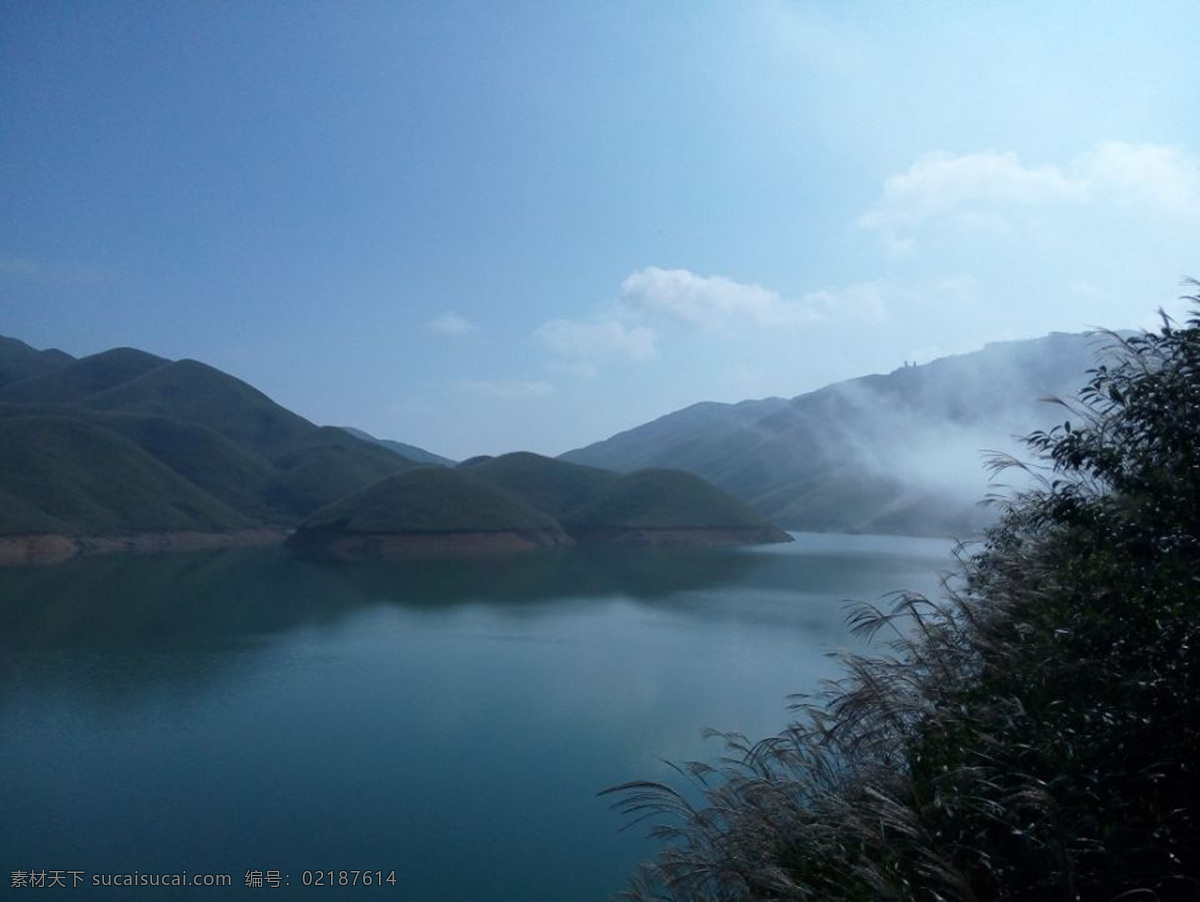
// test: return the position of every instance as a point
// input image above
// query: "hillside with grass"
(19, 361)
(72, 476)
(128, 442)
(540, 501)
(1030, 736)
(412, 452)
(78, 380)
(552, 486)
(427, 510)
(671, 506)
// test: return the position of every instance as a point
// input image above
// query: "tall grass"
(1034, 734)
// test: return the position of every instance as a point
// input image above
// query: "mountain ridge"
(885, 452)
(128, 450)
(523, 501)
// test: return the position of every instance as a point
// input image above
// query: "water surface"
(450, 721)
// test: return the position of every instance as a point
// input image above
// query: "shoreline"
(46, 549)
(384, 546)
(56, 548)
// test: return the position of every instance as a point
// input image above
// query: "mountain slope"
(82, 378)
(899, 452)
(19, 361)
(521, 501)
(555, 487)
(412, 452)
(668, 507)
(72, 476)
(429, 500)
(323, 465)
(427, 511)
(202, 440)
(197, 393)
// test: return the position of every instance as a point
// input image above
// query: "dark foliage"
(1033, 736)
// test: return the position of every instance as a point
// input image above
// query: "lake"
(448, 721)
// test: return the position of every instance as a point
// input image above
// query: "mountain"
(554, 487)
(524, 500)
(423, 511)
(896, 453)
(324, 464)
(19, 361)
(661, 500)
(197, 393)
(128, 442)
(66, 475)
(79, 379)
(412, 452)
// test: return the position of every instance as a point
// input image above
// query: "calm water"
(451, 722)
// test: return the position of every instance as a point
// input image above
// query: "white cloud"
(596, 339)
(503, 389)
(989, 189)
(451, 324)
(708, 301)
(717, 302)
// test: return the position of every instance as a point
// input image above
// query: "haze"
(479, 228)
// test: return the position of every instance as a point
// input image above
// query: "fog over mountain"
(902, 452)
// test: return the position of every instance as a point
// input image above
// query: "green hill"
(126, 442)
(663, 499)
(197, 393)
(548, 502)
(67, 475)
(429, 500)
(325, 465)
(230, 454)
(411, 452)
(19, 361)
(82, 378)
(554, 487)
(211, 462)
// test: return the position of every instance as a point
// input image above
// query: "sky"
(482, 227)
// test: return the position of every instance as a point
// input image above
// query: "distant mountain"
(124, 442)
(645, 501)
(127, 449)
(75, 380)
(594, 501)
(895, 453)
(430, 509)
(412, 452)
(523, 500)
(554, 487)
(19, 361)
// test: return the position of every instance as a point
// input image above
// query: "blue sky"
(483, 227)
